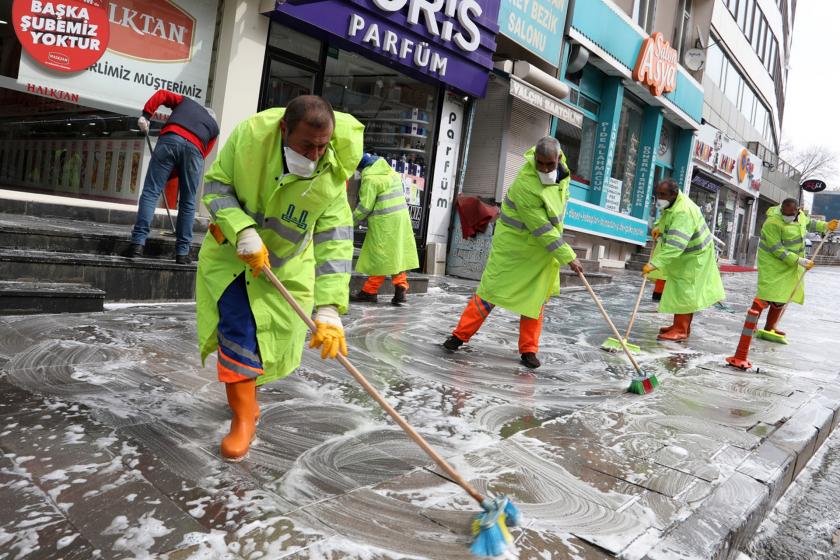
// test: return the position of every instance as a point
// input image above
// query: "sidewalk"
(109, 430)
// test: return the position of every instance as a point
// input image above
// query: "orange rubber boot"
(242, 399)
(773, 315)
(681, 330)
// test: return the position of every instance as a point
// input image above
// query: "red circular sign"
(66, 35)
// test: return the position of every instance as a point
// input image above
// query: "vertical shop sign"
(606, 136)
(651, 133)
(446, 160)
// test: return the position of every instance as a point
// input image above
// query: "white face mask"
(789, 219)
(549, 178)
(298, 164)
(662, 204)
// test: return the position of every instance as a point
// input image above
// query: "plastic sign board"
(537, 25)
(147, 45)
(656, 66)
(814, 185)
(67, 36)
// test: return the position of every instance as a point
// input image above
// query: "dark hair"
(311, 109)
(673, 186)
(789, 201)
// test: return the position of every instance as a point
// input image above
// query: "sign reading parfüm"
(451, 42)
(541, 100)
(813, 185)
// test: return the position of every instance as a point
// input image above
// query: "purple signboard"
(450, 41)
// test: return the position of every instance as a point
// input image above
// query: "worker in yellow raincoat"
(523, 270)
(685, 256)
(277, 196)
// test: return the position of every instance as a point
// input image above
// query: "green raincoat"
(779, 250)
(523, 269)
(685, 256)
(389, 246)
(306, 224)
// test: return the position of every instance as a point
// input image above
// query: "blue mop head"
(490, 529)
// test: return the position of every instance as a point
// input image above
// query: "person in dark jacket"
(185, 141)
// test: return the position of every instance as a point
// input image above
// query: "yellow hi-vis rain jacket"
(306, 224)
(781, 246)
(523, 269)
(685, 256)
(389, 246)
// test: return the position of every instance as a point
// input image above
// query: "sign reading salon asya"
(656, 66)
(114, 53)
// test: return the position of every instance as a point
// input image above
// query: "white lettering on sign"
(446, 160)
(656, 66)
(545, 103)
(425, 12)
(147, 24)
(420, 55)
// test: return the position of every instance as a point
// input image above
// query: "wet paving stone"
(110, 427)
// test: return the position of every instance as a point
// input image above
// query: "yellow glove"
(330, 335)
(832, 225)
(808, 264)
(655, 233)
(251, 249)
(647, 269)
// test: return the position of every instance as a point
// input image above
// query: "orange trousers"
(375, 282)
(478, 310)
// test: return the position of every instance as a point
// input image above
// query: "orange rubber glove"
(251, 249)
(330, 335)
(647, 269)
(832, 225)
(655, 233)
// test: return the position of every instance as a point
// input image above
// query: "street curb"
(728, 519)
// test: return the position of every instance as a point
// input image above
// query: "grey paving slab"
(110, 430)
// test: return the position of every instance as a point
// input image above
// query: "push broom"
(489, 529)
(614, 345)
(642, 383)
(773, 336)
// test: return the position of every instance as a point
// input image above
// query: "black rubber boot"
(399, 295)
(183, 259)
(363, 297)
(529, 359)
(134, 250)
(453, 343)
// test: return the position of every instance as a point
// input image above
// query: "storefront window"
(725, 223)
(579, 146)
(705, 200)
(399, 115)
(623, 175)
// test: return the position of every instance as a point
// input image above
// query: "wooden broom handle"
(802, 277)
(636, 307)
(612, 326)
(641, 293)
(412, 433)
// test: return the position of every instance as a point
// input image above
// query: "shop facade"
(726, 184)
(405, 69)
(640, 110)
(70, 96)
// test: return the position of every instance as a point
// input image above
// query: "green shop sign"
(537, 25)
(588, 218)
